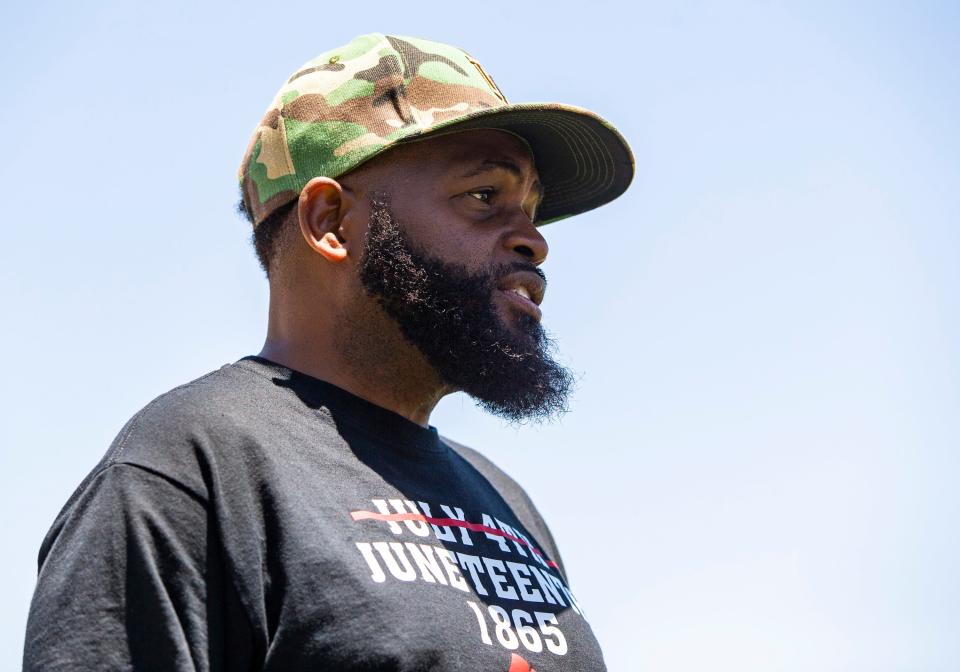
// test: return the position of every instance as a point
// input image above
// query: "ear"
(321, 210)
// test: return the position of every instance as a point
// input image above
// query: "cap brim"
(583, 161)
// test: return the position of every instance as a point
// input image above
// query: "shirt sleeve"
(132, 581)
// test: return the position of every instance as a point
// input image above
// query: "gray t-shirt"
(261, 519)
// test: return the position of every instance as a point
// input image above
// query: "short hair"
(267, 236)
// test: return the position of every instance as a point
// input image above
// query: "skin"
(468, 197)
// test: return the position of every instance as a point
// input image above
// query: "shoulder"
(183, 419)
(183, 433)
(161, 443)
(511, 491)
(484, 465)
(222, 397)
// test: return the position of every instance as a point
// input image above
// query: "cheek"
(441, 240)
(439, 230)
(473, 252)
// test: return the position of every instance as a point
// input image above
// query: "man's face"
(451, 255)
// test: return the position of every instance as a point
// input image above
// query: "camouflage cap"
(350, 104)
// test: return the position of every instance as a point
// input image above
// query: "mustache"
(503, 270)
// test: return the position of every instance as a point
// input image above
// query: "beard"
(449, 314)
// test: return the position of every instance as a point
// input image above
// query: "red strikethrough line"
(448, 522)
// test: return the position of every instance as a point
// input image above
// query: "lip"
(535, 285)
(532, 283)
(524, 304)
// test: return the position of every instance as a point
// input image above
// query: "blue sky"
(759, 469)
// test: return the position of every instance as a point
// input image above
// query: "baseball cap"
(350, 104)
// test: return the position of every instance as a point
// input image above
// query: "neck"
(362, 352)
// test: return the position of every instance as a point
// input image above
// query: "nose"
(526, 240)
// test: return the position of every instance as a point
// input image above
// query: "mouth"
(524, 291)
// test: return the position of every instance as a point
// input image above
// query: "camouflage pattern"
(350, 104)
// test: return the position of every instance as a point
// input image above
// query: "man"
(295, 510)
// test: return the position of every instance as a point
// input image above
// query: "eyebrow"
(494, 164)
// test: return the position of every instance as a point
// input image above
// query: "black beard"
(450, 316)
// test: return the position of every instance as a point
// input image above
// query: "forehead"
(463, 148)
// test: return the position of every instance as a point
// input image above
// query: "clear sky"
(760, 468)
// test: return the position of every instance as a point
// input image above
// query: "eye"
(482, 195)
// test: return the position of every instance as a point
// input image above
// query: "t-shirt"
(258, 518)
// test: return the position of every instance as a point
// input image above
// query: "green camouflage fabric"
(349, 104)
